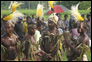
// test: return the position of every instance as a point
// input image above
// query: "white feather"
(14, 19)
(74, 11)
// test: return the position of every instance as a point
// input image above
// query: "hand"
(40, 51)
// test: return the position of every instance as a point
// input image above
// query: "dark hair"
(88, 15)
(32, 15)
(82, 15)
(37, 18)
(24, 13)
(39, 24)
(28, 17)
(65, 15)
(4, 15)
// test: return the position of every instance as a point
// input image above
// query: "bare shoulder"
(15, 36)
(86, 40)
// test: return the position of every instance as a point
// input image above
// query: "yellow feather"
(8, 17)
(51, 3)
(13, 17)
(39, 12)
(15, 5)
(75, 13)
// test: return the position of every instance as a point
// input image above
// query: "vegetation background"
(24, 8)
(29, 7)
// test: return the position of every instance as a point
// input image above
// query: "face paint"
(31, 29)
(8, 28)
(51, 25)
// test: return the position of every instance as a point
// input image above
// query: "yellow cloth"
(23, 19)
(25, 30)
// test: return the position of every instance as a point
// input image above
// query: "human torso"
(30, 47)
(66, 23)
(10, 43)
(84, 39)
(48, 45)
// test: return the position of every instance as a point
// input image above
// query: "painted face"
(82, 28)
(8, 28)
(32, 30)
(51, 24)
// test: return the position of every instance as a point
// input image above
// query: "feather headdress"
(13, 18)
(53, 18)
(15, 5)
(51, 5)
(39, 12)
(75, 13)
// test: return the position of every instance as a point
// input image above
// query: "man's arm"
(26, 45)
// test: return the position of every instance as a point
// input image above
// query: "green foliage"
(26, 4)
(33, 12)
(84, 5)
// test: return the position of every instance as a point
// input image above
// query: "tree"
(33, 4)
(83, 4)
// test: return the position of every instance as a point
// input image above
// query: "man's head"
(4, 15)
(24, 15)
(8, 27)
(82, 15)
(42, 21)
(82, 28)
(66, 16)
(57, 14)
(60, 17)
(51, 25)
(20, 19)
(52, 21)
(28, 19)
(31, 28)
(32, 16)
(89, 17)
(39, 26)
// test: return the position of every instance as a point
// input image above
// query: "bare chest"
(83, 39)
(9, 41)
